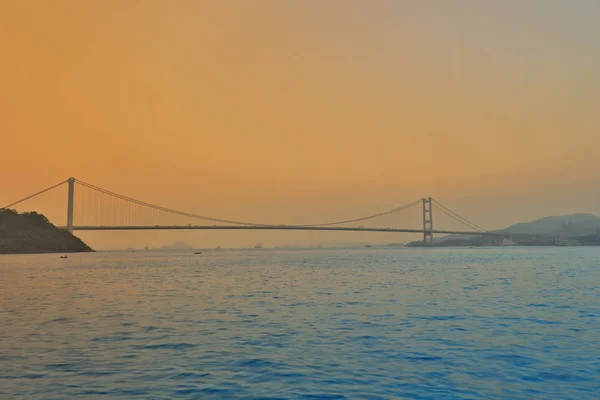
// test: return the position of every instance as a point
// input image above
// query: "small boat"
(64, 256)
(368, 245)
(198, 252)
(258, 246)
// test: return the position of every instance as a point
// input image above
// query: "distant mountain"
(177, 246)
(574, 225)
(566, 226)
(583, 228)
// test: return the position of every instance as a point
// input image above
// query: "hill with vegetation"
(24, 233)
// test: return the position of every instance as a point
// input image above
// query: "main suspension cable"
(457, 217)
(36, 194)
(195, 216)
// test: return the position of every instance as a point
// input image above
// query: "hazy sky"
(293, 111)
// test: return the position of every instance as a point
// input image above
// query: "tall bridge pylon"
(93, 208)
(427, 221)
(70, 204)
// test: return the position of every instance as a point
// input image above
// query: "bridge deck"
(274, 227)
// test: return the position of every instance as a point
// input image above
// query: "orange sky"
(276, 110)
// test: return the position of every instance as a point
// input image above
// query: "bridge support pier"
(70, 200)
(427, 221)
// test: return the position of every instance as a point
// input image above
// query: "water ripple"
(327, 324)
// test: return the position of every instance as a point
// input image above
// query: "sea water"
(376, 323)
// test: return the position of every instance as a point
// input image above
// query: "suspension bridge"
(92, 208)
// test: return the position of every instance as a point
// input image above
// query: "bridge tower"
(70, 199)
(427, 221)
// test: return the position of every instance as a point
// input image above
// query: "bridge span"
(92, 208)
(276, 228)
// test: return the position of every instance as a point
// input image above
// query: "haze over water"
(515, 323)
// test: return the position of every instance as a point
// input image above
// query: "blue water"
(501, 323)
